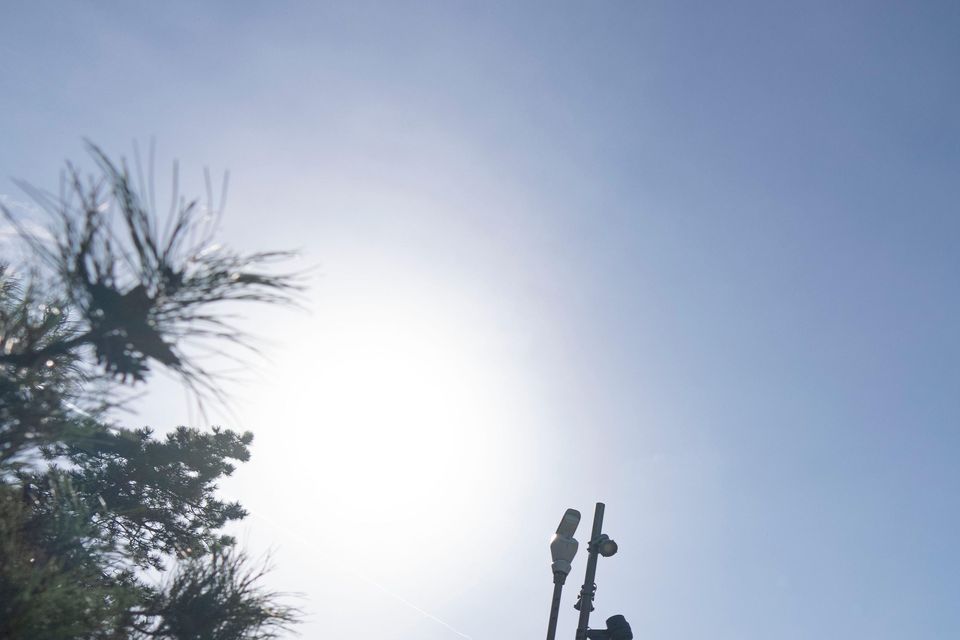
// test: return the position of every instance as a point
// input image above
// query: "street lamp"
(600, 544)
(563, 547)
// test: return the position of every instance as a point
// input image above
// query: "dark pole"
(558, 580)
(589, 582)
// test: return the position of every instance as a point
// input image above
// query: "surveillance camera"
(604, 545)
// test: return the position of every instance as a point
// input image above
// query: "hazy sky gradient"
(697, 260)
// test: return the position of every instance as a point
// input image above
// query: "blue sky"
(697, 260)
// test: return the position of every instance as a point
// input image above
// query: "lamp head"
(617, 629)
(563, 546)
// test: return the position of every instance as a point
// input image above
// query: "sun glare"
(397, 417)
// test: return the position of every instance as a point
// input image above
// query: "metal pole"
(589, 582)
(558, 580)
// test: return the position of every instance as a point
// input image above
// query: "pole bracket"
(591, 593)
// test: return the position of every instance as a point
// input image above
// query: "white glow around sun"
(407, 420)
(393, 415)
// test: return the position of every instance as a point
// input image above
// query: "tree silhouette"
(90, 509)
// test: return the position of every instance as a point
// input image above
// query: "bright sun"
(397, 416)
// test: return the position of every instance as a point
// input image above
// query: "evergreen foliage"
(108, 532)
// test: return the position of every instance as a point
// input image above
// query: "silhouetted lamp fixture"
(617, 629)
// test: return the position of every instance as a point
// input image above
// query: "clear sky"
(696, 260)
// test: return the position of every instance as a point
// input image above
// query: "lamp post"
(563, 548)
(589, 588)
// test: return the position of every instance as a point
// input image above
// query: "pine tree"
(90, 509)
